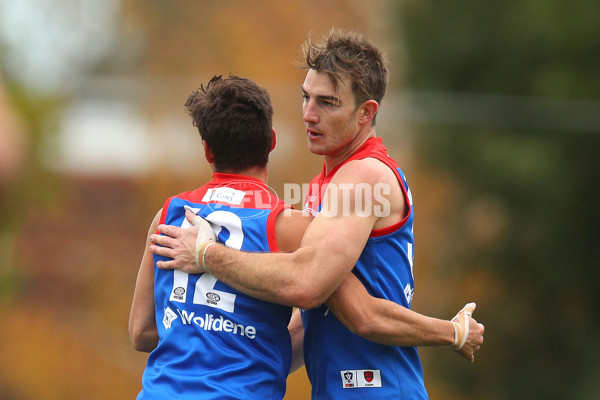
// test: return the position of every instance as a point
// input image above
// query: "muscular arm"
(375, 319)
(389, 323)
(384, 321)
(142, 325)
(306, 277)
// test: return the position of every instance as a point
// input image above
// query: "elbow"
(144, 346)
(307, 297)
(364, 329)
(307, 288)
(360, 325)
(357, 321)
(138, 345)
(136, 339)
(142, 341)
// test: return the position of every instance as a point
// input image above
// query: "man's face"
(330, 115)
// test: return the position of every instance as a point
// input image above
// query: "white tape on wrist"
(202, 249)
(460, 323)
(205, 236)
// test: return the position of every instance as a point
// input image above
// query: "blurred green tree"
(511, 95)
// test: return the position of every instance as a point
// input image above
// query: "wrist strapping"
(201, 253)
(460, 323)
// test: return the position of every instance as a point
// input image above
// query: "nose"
(309, 113)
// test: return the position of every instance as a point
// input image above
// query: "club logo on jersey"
(168, 318)
(362, 378)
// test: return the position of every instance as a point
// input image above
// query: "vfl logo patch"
(361, 378)
(348, 379)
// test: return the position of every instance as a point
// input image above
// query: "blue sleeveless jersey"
(214, 341)
(340, 364)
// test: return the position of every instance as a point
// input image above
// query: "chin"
(318, 150)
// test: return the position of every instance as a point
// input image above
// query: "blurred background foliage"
(493, 112)
(521, 81)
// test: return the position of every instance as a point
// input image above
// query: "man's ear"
(208, 153)
(369, 110)
(274, 142)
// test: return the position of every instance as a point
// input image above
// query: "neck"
(259, 173)
(338, 157)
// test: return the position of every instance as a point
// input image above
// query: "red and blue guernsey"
(214, 341)
(340, 364)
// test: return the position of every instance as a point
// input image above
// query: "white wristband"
(203, 249)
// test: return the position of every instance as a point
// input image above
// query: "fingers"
(162, 240)
(467, 331)
(468, 308)
(474, 340)
(169, 230)
(163, 245)
(165, 264)
(162, 251)
(192, 217)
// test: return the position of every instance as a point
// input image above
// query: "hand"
(468, 332)
(182, 244)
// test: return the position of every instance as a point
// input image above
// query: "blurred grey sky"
(50, 44)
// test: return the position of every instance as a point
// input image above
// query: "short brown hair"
(349, 54)
(234, 116)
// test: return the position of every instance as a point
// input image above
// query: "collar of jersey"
(372, 141)
(222, 177)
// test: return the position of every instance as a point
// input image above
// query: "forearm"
(395, 325)
(285, 278)
(384, 321)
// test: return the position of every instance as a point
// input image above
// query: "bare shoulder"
(289, 229)
(154, 224)
(372, 178)
(366, 170)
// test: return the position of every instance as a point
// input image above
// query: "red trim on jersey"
(163, 213)
(394, 227)
(372, 148)
(262, 198)
(271, 234)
